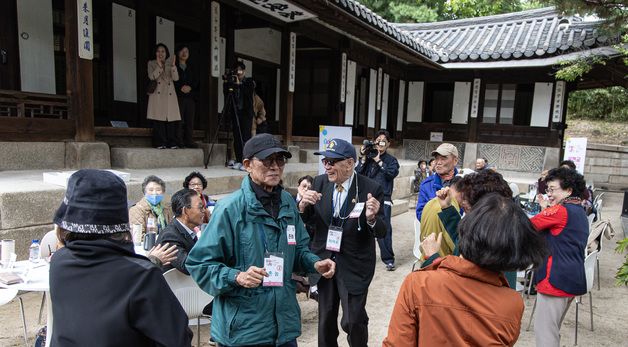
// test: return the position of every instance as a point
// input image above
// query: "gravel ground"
(609, 304)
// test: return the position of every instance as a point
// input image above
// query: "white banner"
(85, 34)
(326, 133)
(293, 61)
(576, 151)
(215, 39)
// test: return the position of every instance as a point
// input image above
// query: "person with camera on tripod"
(382, 167)
(239, 91)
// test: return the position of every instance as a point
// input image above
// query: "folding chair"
(416, 250)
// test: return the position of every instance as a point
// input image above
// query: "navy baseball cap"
(262, 145)
(338, 149)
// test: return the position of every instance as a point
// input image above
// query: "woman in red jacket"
(566, 229)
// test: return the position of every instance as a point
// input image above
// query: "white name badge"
(357, 210)
(334, 238)
(292, 235)
(273, 264)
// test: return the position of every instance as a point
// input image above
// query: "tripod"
(231, 110)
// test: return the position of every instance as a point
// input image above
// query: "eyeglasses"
(196, 184)
(200, 206)
(550, 190)
(330, 162)
(268, 162)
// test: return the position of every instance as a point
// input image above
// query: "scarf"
(158, 210)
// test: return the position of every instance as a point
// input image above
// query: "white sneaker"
(237, 166)
(230, 163)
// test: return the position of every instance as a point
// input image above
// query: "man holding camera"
(239, 90)
(382, 167)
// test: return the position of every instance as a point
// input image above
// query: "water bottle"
(34, 254)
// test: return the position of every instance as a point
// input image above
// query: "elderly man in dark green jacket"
(246, 255)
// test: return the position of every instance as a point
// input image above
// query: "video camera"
(369, 149)
(230, 78)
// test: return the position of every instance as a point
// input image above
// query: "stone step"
(152, 158)
(399, 206)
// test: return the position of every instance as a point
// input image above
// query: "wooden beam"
(79, 78)
(36, 129)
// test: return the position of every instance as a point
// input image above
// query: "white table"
(36, 280)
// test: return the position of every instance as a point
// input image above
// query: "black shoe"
(390, 267)
(314, 295)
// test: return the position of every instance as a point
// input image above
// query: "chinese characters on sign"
(280, 9)
(343, 77)
(293, 58)
(559, 97)
(85, 33)
(378, 98)
(215, 39)
(475, 99)
(576, 151)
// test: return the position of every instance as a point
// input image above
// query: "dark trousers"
(187, 108)
(165, 133)
(385, 243)
(354, 320)
(292, 343)
(244, 130)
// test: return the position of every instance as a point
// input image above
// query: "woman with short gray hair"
(151, 212)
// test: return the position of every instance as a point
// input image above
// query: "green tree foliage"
(610, 104)
(622, 272)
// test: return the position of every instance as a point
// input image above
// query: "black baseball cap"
(262, 145)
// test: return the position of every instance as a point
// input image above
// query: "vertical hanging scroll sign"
(293, 58)
(84, 29)
(215, 39)
(343, 77)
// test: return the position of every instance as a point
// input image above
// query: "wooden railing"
(33, 105)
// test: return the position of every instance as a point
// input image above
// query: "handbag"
(151, 86)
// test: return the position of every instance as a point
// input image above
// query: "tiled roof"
(539, 33)
(369, 17)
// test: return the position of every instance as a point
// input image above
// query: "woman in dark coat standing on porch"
(187, 93)
(163, 107)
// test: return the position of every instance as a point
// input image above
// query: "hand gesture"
(310, 197)
(325, 267)
(542, 201)
(164, 253)
(174, 60)
(444, 198)
(252, 278)
(372, 207)
(186, 89)
(431, 244)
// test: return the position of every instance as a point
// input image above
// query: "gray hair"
(153, 178)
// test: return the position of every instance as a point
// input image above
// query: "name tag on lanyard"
(273, 264)
(291, 234)
(334, 238)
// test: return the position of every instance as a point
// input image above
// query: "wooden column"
(79, 77)
(287, 97)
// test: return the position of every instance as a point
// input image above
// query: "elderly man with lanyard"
(344, 209)
(383, 168)
(245, 257)
(445, 161)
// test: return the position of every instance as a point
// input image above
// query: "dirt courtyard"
(610, 304)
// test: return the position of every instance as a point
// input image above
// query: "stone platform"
(27, 204)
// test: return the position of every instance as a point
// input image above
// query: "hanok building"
(73, 73)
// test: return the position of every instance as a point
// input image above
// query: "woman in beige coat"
(163, 107)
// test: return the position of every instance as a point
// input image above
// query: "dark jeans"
(166, 133)
(385, 243)
(244, 130)
(331, 294)
(292, 343)
(187, 107)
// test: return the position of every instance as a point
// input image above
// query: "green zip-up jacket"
(231, 243)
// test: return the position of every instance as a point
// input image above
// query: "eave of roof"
(526, 35)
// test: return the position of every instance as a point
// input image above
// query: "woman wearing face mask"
(151, 211)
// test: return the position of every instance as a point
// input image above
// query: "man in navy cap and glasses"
(344, 208)
(245, 257)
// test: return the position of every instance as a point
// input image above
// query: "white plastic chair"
(591, 218)
(6, 295)
(48, 244)
(416, 250)
(191, 297)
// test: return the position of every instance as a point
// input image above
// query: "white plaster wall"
(542, 104)
(261, 43)
(124, 54)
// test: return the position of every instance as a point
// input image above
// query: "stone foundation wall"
(606, 166)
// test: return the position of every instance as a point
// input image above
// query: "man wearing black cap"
(102, 293)
(245, 257)
(344, 208)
